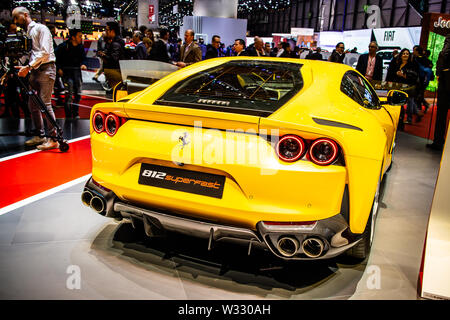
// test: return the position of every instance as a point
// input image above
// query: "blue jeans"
(72, 83)
(42, 80)
(411, 108)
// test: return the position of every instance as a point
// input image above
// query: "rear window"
(247, 87)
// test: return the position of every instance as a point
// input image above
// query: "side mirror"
(396, 97)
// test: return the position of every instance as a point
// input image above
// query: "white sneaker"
(49, 144)
(36, 140)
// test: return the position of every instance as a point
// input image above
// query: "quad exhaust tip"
(288, 246)
(313, 247)
(97, 204)
(86, 198)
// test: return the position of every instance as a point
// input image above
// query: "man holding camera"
(42, 71)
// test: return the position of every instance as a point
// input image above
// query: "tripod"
(10, 70)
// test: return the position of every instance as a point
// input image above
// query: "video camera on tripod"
(14, 46)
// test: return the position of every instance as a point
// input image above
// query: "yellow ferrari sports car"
(283, 154)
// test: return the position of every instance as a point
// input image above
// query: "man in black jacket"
(114, 51)
(443, 95)
(338, 54)
(212, 50)
(369, 65)
(69, 63)
(160, 49)
(239, 47)
(140, 50)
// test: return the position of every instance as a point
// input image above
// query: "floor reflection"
(228, 261)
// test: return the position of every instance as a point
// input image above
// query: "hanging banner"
(302, 31)
(151, 13)
(397, 37)
(148, 13)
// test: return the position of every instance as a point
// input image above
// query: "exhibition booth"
(232, 178)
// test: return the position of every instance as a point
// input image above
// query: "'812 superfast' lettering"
(154, 174)
(164, 176)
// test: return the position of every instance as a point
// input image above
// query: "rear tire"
(362, 249)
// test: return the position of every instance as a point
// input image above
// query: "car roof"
(315, 65)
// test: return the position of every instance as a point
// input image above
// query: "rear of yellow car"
(219, 171)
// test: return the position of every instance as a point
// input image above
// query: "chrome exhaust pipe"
(313, 247)
(98, 204)
(287, 246)
(86, 198)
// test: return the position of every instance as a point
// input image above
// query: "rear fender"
(363, 153)
(363, 176)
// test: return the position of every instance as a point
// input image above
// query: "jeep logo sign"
(442, 23)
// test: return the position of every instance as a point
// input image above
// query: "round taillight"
(323, 151)
(98, 122)
(290, 148)
(112, 123)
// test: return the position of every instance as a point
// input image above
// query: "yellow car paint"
(299, 191)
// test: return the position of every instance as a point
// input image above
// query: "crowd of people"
(413, 69)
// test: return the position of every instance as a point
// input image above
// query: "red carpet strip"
(422, 128)
(31, 174)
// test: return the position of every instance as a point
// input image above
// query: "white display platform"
(436, 269)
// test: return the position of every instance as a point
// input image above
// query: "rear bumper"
(333, 232)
